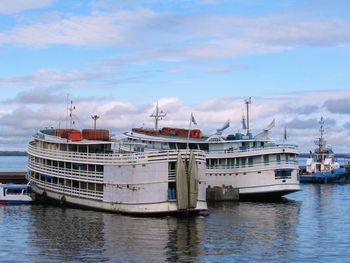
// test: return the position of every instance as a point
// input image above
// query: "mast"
(247, 102)
(95, 118)
(321, 142)
(158, 115)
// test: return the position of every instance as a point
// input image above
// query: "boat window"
(99, 188)
(99, 168)
(63, 147)
(266, 159)
(283, 174)
(204, 146)
(91, 186)
(68, 183)
(172, 166)
(14, 191)
(278, 157)
(75, 184)
(83, 185)
(181, 145)
(237, 162)
(91, 168)
(250, 161)
(172, 145)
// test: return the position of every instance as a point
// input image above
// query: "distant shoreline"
(13, 153)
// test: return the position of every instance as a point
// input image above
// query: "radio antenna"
(158, 115)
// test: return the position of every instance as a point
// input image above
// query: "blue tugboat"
(321, 166)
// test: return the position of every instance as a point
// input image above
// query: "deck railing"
(81, 175)
(64, 190)
(256, 149)
(111, 158)
(255, 165)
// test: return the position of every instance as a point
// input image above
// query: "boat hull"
(336, 176)
(14, 202)
(254, 184)
(268, 192)
(156, 209)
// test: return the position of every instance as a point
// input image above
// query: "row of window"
(250, 161)
(77, 185)
(69, 165)
(91, 148)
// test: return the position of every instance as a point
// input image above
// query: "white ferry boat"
(87, 169)
(254, 165)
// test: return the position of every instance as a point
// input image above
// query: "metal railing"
(66, 190)
(111, 158)
(254, 149)
(88, 176)
(255, 165)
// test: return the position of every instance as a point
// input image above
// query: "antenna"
(67, 111)
(95, 118)
(158, 115)
(70, 110)
(247, 102)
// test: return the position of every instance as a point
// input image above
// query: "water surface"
(13, 163)
(310, 226)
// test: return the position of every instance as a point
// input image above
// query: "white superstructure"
(256, 166)
(95, 174)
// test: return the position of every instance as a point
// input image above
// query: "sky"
(117, 59)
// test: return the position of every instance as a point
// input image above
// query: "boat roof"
(56, 139)
(177, 139)
(14, 186)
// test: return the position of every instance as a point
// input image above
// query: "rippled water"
(310, 226)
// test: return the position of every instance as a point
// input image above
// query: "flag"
(225, 126)
(193, 119)
(285, 133)
(270, 126)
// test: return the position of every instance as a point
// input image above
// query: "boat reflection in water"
(150, 239)
(253, 230)
(232, 231)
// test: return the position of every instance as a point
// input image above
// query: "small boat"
(14, 194)
(321, 166)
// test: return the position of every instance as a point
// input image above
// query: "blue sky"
(117, 58)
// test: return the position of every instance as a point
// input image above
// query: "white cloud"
(91, 30)
(168, 36)
(15, 6)
(120, 116)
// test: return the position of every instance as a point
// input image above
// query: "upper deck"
(97, 152)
